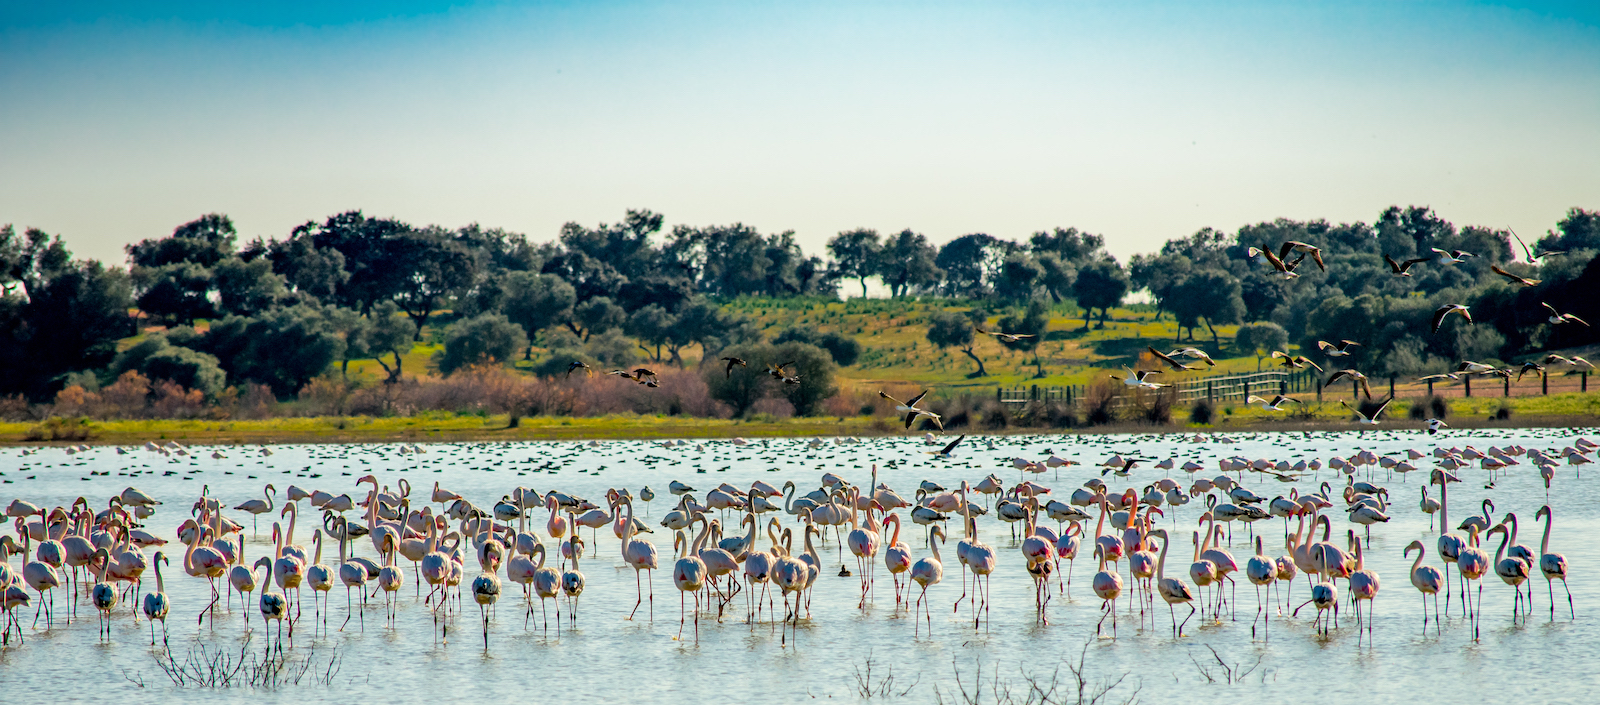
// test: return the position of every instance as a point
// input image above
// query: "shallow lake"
(607, 657)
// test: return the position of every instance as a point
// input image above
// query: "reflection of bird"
(1352, 374)
(1193, 354)
(733, 362)
(1371, 420)
(1174, 364)
(579, 365)
(1005, 337)
(1514, 279)
(1557, 317)
(1340, 350)
(911, 410)
(1400, 269)
(1446, 310)
(1298, 362)
(1276, 404)
(1451, 256)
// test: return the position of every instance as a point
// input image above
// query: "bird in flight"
(912, 411)
(1295, 246)
(1557, 317)
(1533, 257)
(1287, 270)
(1529, 366)
(1275, 405)
(579, 365)
(1174, 364)
(1137, 379)
(1360, 379)
(777, 370)
(1514, 279)
(1400, 268)
(946, 452)
(732, 363)
(1446, 375)
(1451, 256)
(1447, 309)
(1369, 420)
(1005, 337)
(1193, 354)
(1340, 350)
(1295, 363)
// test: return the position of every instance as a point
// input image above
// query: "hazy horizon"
(1142, 122)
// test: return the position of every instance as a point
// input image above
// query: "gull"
(1004, 337)
(1514, 279)
(1400, 268)
(1533, 258)
(912, 412)
(1352, 374)
(733, 362)
(1193, 354)
(1476, 368)
(1174, 364)
(1337, 350)
(579, 365)
(1295, 246)
(1452, 256)
(1529, 366)
(1369, 420)
(1446, 375)
(1557, 317)
(1277, 401)
(1446, 310)
(1297, 363)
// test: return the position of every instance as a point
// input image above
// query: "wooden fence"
(1267, 384)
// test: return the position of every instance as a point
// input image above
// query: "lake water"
(607, 658)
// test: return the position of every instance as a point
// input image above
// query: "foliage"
(742, 387)
(1260, 340)
(843, 349)
(486, 338)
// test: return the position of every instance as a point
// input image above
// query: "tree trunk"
(1088, 313)
(1214, 340)
(863, 287)
(676, 359)
(981, 371)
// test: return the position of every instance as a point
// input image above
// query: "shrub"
(1503, 412)
(1202, 412)
(490, 337)
(1099, 402)
(1155, 407)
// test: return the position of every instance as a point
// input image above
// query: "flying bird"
(1447, 309)
(1360, 379)
(1533, 257)
(732, 363)
(1529, 366)
(1275, 405)
(1369, 420)
(1137, 379)
(1400, 268)
(579, 365)
(1174, 364)
(1004, 337)
(1451, 256)
(1514, 279)
(912, 412)
(1294, 246)
(777, 370)
(1297, 362)
(1557, 317)
(1193, 354)
(1340, 350)
(1447, 375)
(946, 451)
(1477, 368)
(1277, 262)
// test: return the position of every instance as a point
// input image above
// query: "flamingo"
(1430, 506)
(204, 562)
(1472, 564)
(1261, 571)
(273, 604)
(757, 570)
(258, 507)
(928, 571)
(719, 562)
(242, 579)
(572, 584)
(486, 592)
(1512, 570)
(546, 584)
(863, 543)
(1553, 565)
(1172, 590)
(641, 556)
(103, 596)
(1107, 585)
(689, 575)
(556, 526)
(321, 579)
(1428, 581)
(287, 572)
(353, 575)
(156, 604)
(897, 557)
(1449, 545)
(1363, 587)
(390, 579)
(790, 574)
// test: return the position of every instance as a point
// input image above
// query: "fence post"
(1033, 394)
(999, 395)
(1544, 382)
(1069, 395)
(1355, 391)
(1507, 391)
(1430, 387)
(1212, 398)
(1391, 386)
(1247, 389)
(1585, 380)
(1467, 380)
(1319, 390)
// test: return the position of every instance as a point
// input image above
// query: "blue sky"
(1141, 121)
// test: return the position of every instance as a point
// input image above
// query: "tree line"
(282, 312)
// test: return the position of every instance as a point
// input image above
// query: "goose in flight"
(1137, 379)
(1574, 361)
(1452, 256)
(1341, 349)
(1275, 405)
(1193, 354)
(1295, 246)
(777, 370)
(1529, 366)
(1287, 270)
(1005, 337)
(1296, 362)
(1365, 419)
(1514, 279)
(1352, 374)
(1558, 318)
(1401, 269)
(1446, 375)
(579, 365)
(1476, 368)
(732, 363)
(1174, 364)
(911, 410)
(1446, 310)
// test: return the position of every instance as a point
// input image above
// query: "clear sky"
(1139, 120)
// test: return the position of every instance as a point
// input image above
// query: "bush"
(1099, 402)
(1439, 406)
(1155, 407)
(1503, 412)
(490, 337)
(742, 387)
(1201, 412)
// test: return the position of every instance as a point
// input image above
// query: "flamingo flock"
(733, 547)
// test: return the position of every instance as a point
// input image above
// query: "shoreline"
(498, 428)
